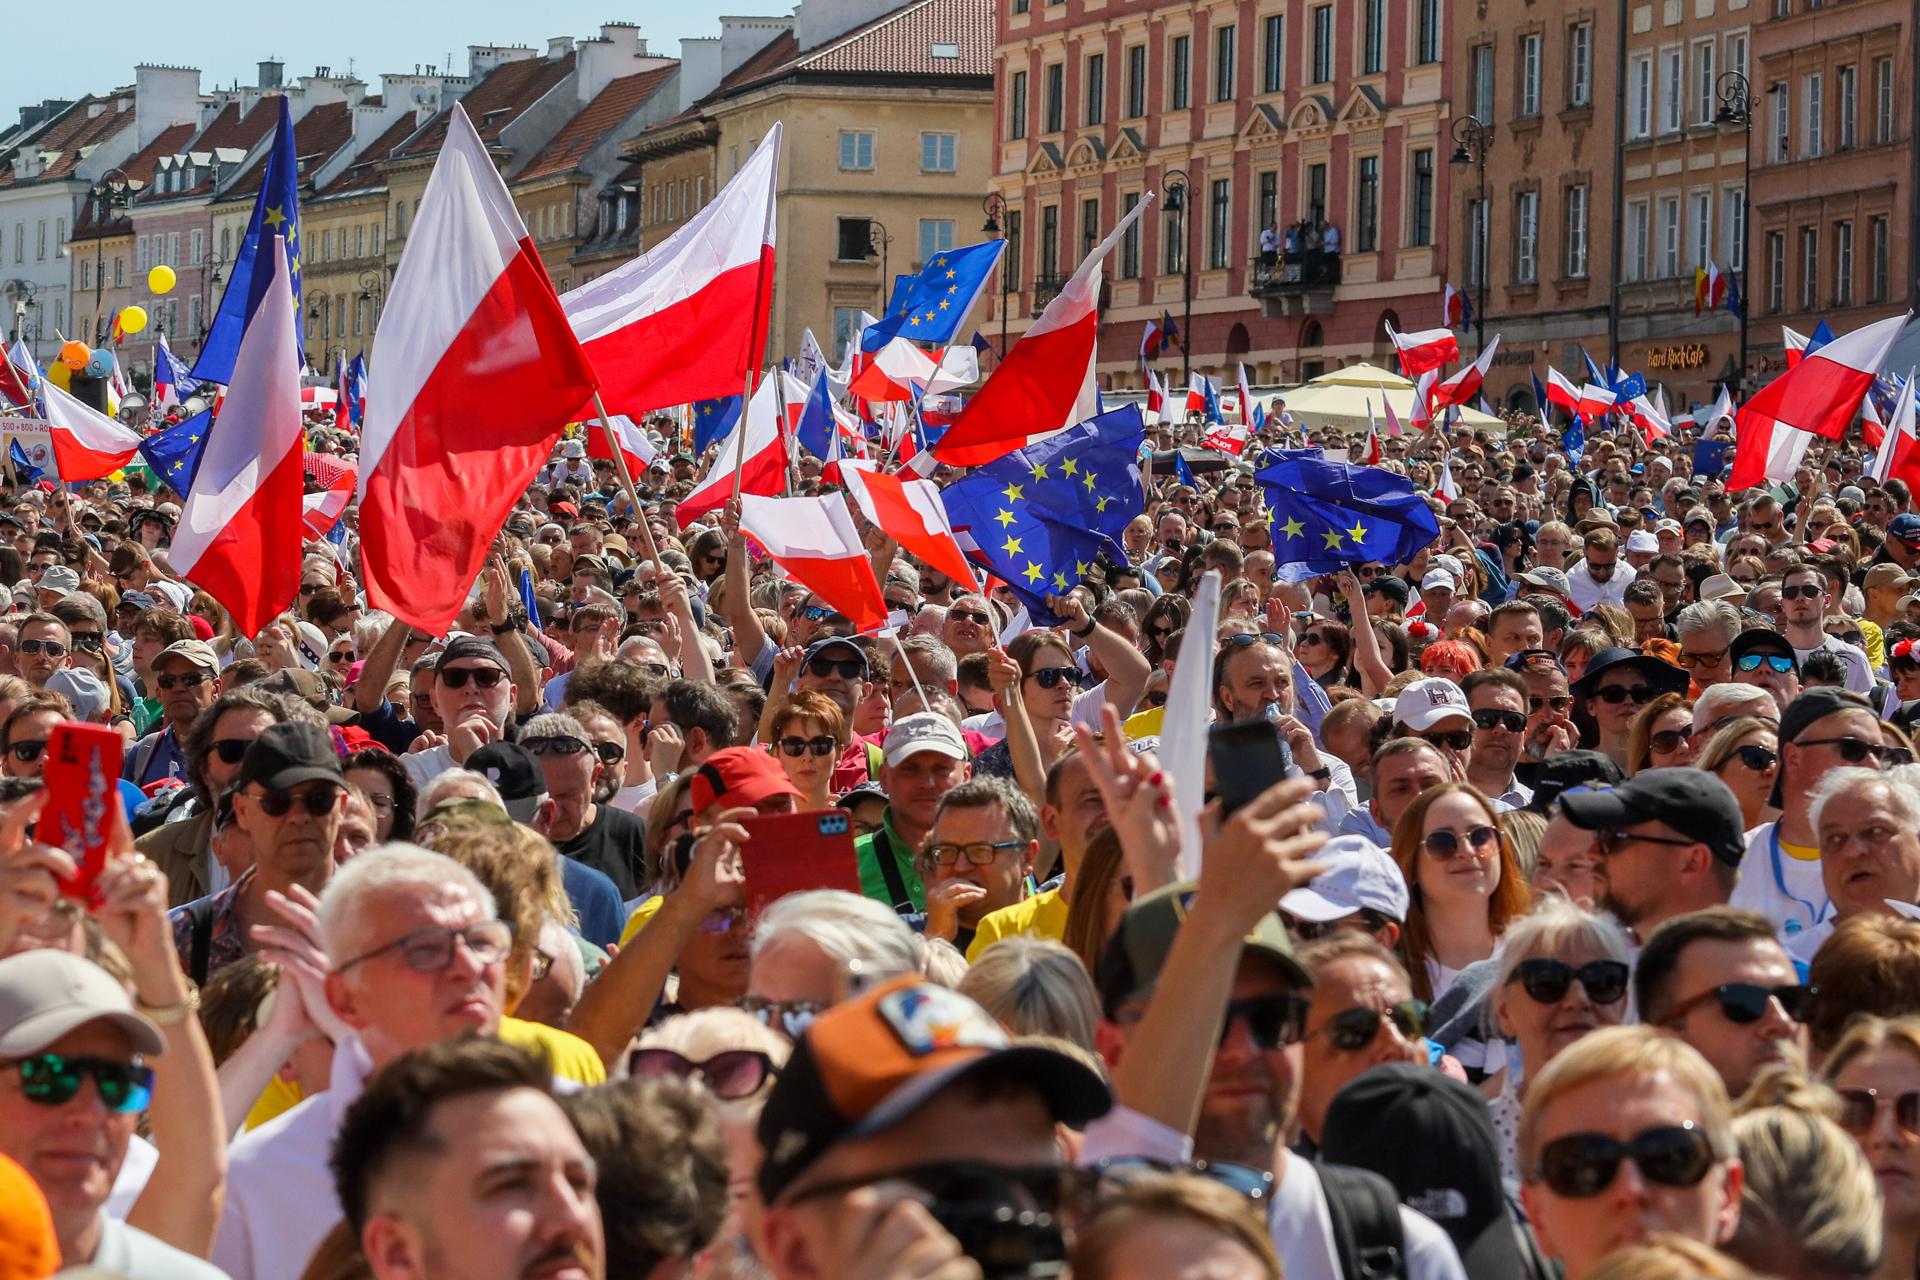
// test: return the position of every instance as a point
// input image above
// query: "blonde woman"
(1875, 1070)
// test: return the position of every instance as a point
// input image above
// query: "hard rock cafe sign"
(1689, 355)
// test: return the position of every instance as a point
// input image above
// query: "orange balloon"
(74, 354)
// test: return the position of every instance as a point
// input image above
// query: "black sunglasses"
(1054, 677)
(1758, 759)
(27, 752)
(230, 750)
(1853, 750)
(485, 677)
(610, 752)
(969, 615)
(1807, 591)
(1582, 1165)
(1745, 1003)
(54, 1079)
(1453, 739)
(1559, 704)
(845, 668)
(318, 802)
(185, 680)
(52, 648)
(1351, 1030)
(1247, 639)
(1615, 694)
(1491, 718)
(559, 745)
(1547, 980)
(1272, 1021)
(795, 747)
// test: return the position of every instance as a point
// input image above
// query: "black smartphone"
(1248, 757)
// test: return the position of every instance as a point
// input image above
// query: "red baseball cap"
(738, 776)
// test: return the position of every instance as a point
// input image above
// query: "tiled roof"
(70, 137)
(364, 173)
(316, 136)
(494, 103)
(899, 43)
(140, 171)
(229, 131)
(591, 124)
(773, 56)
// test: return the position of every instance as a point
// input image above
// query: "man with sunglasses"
(186, 676)
(1497, 699)
(1360, 1013)
(597, 835)
(1804, 598)
(474, 695)
(1435, 710)
(1669, 841)
(45, 647)
(1599, 578)
(969, 626)
(1766, 660)
(1719, 980)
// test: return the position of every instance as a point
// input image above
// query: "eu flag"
(276, 211)
(174, 454)
(1040, 516)
(1326, 515)
(25, 473)
(1574, 438)
(712, 419)
(930, 308)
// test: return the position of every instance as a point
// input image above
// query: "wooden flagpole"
(626, 479)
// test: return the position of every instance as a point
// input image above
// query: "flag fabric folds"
(814, 540)
(171, 381)
(1040, 516)
(1899, 450)
(1822, 393)
(713, 419)
(762, 458)
(687, 319)
(25, 473)
(1463, 386)
(911, 513)
(1327, 515)
(1427, 349)
(174, 452)
(276, 212)
(931, 308)
(478, 373)
(87, 444)
(634, 445)
(1456, 309)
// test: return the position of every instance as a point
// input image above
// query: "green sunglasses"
(52, 1080)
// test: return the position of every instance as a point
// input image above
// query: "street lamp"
(1736, 107)
(1174, 182)
(877, 242)
(1471, 138)
(996, 207)
(108, 196)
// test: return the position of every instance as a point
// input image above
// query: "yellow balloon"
(60, 374)
(134, 319)
(160, 279)
(117, 476)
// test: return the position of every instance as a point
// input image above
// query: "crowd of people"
(1578, 936)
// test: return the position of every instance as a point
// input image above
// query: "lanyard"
(1815, 914)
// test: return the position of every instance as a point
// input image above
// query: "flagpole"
(740, 434)
(626, 478)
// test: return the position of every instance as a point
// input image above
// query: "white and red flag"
(1794, 344)
(1245, 392)
(338, 479)
(1899, 449)
(1822, 393)
(687, 320)
(1427, 349)
(814, 540)
(1463, 386)
(1562, 392)
(634, 445)
(761, 457)
(1445, 487)
(1422, 415)
(1156, 397)
(1371, 454)
(1596, 402)
(1045, 383)
(476, 374)
(242, 523)
(87, 444)
(911, 513)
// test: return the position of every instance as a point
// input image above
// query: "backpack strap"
(883, 857)
(1367, 1235)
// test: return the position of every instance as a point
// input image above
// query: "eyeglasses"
(554, 746)
(53, 1080)
(311, 588)
(1272, 1021)
(185, 680)
(1247, 639)
(1054, 677)
(845, 668)
(1444, 844)
(91, 641)
(484, 677)
(318, 802)
(1745, 1003)
(1807, 592)
(1157, 698)
(1860, 1108)
(1491, 718)
(1667, 741)
(230, 750)
(1450, 739)
(1615, 694)
(610, 752)
(1582, 1165)
(969, 615)
(1351, 1030)
(1853, 750)
(731, 1074)
(52, 648)
(381, 802)
(979, 854)
(792, 1017)
(1559, 704)
(430, 950)
(1547, 981)
(1692, 661)
(821, 745)
(1777, 661)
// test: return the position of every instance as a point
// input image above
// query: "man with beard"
(1498, 700)
(1669, 842)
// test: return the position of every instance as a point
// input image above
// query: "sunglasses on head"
(1054, 677)
(1491, 718)
(1547, 981)
(1351, 1030)
(1860, 1108)
(1446, 844)
(554, 746)
(1582, 1165)
(185, 680)
(484, 677)
(1451, 739)
(318, 802)
(1247, 639)
(845, 668)
(1752, 661)
(820, 745)
(1745, 1003)
(731, 1074)
(53, 1079)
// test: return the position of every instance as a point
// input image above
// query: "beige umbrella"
(1341, 399)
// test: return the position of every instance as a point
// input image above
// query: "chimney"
(558, 47)
(699, 68)
(483, 58)
(741, 38)
(617, 51)
(271, 73)
(816, 22)
(162, 98)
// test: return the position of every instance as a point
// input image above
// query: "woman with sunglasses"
(1616, 684)
(1050, 682)
(1166, 615)
(806, 736)
(1744, 753)
(1875, 1068)
(1661, 735)
(1563, 973)
(1325, 649)
(1466, 886)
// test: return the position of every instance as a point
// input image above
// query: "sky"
(226, 39)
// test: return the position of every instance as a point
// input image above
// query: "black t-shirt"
(614, 842)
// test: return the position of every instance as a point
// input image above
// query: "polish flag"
(338, 479)
(1561, 391)
(1765, 452)
(87, 444)
(1393, 419)
(762, 457)
(1371, 454)
(1596, 402)
(477, 374)
(1722, 408)
(1795, 343)
(1871, 428)
(893, 372)
(1463, 386)
(911, 513)
(1156, 397)
(17, 380)
(242, 523)
(1455, 309)
(1228, 439)
(1200, 394)
(1423, 386)
(634, 445)
(1652, 423)
(1822, 393)
(1445, 488)
(1246, 397)
(814, 540)
(1427, 349)
(687, 320)
(1899, 453)
(1045, 384)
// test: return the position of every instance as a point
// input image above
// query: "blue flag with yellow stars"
(712, 419)
(1040, 516)
(930, 308)
(24, 472)
(174, 454)
(1327, 515)
(276, 211)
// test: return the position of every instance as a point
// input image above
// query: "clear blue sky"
(95, 48)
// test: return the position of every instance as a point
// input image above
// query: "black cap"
(820, 646)
(471, 647)
(1572, 769)
(1388, 585)
(1691, 801)
(515, 774)
(285, 755)
(1663, 676)
(1761, 640)
(1431, 1137)
(1817, 704)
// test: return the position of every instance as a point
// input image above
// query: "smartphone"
(1248, 757)
(793, 852)
(81, 778)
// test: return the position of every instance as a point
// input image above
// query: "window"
(1273, 53)
(1776, 271)
(846, 320)
(1737, 52)
(197, 252)
(1781, 145)
(1843, 264)
(1848, 87)
(1269, 204)
(1640, 97)
(1010, 260)
(936, 152)
(226, 242)
(1476, 242)
(1089, 226)
(1705, 104)
(1373, 37)
(1022, 6)
(119, 273)
(1700, 229)
(1877, 247)
(1635, 267)
(20, 243)
(1096, 108)
(1483, 83)
(359, 241)
(1733, 206)
(856, 154)
(86, 273)
(359, 315)
(326, 245)
(1219, 206)
(936, 237)
(1017, 105)
(1130, 241)
(1883, 100)
(1580, 64)
(173, 247)
(400, 217)
(1317, 192)
(143, 251)
(1322, 44)
(1809, 268)
(854, 239)
(40, 240)
(1420, 214)
(1179, 67)
(1426, 35)
(1366, 205)
(1056, 104)
(1223, 63)
(1526, 237)
(1669, 262)
(374, 237)
(1815, 106)
(1576, 265)
(1136, 81)
(1530, 75)
(1672, 88)
(1050, 243)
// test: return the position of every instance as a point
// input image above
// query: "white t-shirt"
(1586, 593)
(1784, 889)
(1859, 666)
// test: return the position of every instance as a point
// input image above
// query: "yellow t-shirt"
(1876, 642)
(1044, 915)
(638, 920)
(1143, 724)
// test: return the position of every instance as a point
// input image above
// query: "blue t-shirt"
(595, 900)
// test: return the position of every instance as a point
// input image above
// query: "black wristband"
(1321, 775)
(1082, 635)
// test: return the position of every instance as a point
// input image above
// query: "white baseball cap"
(1640, 540)
(1359, 875)
(1436, 578)
(923, 731)
(1425, 703)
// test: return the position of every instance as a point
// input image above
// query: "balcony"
(1045, 289)
(1302, 288)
